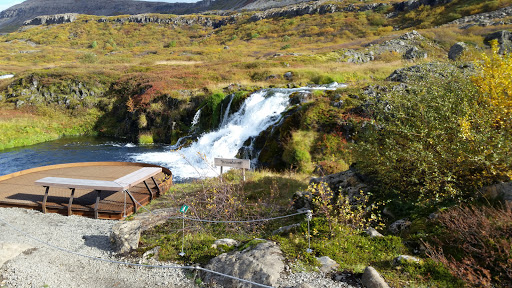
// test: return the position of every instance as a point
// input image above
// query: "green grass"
(20, 129)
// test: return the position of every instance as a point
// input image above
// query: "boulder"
(399, 226)
(288, 76)
(504, 39)
(372, 279)
(327, 263)
(501, 190)
(457, 50)
(125, 236)
(225, 242)
(262, 264)
(373, 233)
(414, 53)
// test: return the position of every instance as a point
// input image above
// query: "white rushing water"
(259, 111)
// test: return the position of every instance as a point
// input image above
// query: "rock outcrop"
(52, 19)
(262, 264)
(424, 71)
(494, 18)
(415, 4)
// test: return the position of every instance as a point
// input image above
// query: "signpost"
(234, 163)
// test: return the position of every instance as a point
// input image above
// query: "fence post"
(309, 216)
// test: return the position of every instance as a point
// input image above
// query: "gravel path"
(47, 267)
(43, 266)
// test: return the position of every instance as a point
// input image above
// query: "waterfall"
(196, 119)
(259, 111)
(224, 119)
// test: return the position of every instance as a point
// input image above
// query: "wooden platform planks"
(18, 189)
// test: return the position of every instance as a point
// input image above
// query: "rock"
(150, 256)
(492, 18)
(457, 50)
(288, 76)
(372, 279)
(226, 47)
(302, 200)
(399, 226)
(414, 53)
(226, 242)
(10, 251)
(271, 77)
(262, 264)
(405, 259)
(154, 218)
(52, 19)
(501, 190)
(349, 181)
(327, 264)
(373, 233)
(413, 35)
(125, 236)
(352, 56)
(300, 98)
(427, 70)
(285, 229)
(414, 4)
(504, 39)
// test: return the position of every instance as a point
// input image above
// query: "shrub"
(342, 209)
(434, 144)
(146, 138)
(478, 247)
(495, 82)
(94, 44)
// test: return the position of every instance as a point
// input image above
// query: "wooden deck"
(18, 189)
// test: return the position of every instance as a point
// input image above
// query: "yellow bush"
(495, 81)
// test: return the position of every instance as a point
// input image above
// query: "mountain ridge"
(14, 17)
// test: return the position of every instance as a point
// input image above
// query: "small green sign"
(184, 209)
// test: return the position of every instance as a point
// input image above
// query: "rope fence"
(197, 268)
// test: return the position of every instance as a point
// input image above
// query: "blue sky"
(4, 4)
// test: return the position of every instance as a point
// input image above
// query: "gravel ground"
(43, 266)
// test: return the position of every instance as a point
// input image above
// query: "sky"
(4, 4)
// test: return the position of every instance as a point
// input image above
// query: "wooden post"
(70, 210)
(45, 198)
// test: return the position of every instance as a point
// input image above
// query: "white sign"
(235, 163)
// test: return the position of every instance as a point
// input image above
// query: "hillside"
(14, 17)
